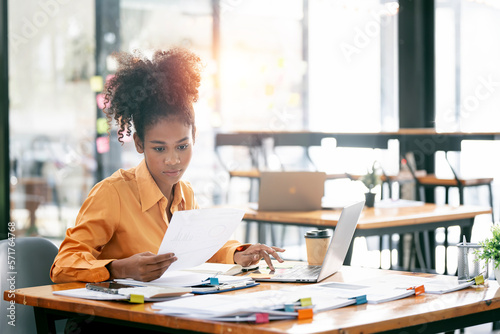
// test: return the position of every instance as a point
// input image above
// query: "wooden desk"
(382, 221)
(424, 313)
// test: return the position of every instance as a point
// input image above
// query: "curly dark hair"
(144, 90)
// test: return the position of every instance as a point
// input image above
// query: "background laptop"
(291, 191)
(335, 255)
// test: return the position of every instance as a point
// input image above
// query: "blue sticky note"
(360, 299)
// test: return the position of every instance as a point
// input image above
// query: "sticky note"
(137, 299)
(281, 62)
(109, 77)
(100, 100)
(261, 318)
(269, 90)
(294, 99)
(96, 84)
(419, 290)
(289, 308)
(102, 144)
(102, 126)
(479, 280)
(214, 281)
(305, 313)
(360, 299)
(305, 301)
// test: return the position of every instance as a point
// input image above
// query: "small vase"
(496, 271)
(370, 199)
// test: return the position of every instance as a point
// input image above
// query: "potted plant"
(370, 180)
(490, 250)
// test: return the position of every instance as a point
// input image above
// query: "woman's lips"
(174, 172)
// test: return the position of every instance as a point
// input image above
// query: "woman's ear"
(138, 143)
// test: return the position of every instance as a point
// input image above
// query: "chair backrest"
(24, 262)
(250, 141)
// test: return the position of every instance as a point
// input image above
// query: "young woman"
(122, 222)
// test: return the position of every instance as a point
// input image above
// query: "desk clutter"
(207, 301)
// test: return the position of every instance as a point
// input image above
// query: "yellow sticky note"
(294, 99)
(96, 83)
(479, 279)
(136, 299)
(269, 89)
(281, 62)
(305, 301)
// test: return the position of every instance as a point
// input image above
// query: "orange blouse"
(124, 214)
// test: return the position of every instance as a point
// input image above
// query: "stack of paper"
(182, 278)
(244, 306)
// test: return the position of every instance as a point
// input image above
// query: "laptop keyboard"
(301, 271)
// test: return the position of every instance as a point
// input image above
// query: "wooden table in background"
(424, 313)
(382, 221)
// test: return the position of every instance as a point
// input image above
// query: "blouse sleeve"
(96, 223)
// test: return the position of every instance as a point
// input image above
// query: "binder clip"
(418, 289)
(360, 299)
(261, 318)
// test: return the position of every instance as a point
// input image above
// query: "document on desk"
(375, 294)
(195, 235)
(273, 302)
(434, 285)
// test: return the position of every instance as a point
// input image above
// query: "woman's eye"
(183, 147)
(159, 149)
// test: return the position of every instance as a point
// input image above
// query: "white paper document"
(182, 278)
(435, 285)
(374, 293)
(195, 235)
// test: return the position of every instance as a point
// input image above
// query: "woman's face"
(167, 149)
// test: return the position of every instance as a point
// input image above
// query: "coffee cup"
(317, 242)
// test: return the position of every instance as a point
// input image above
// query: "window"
(353, 55)
(52, 112)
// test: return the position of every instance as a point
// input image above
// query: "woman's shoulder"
(186, 185)
(120, 178)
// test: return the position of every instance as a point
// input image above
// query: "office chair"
(33, 257)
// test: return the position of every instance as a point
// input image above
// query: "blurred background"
(274, 65)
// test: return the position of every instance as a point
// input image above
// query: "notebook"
(335, 255)
(291, 191)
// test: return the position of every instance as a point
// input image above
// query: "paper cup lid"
(317, 234)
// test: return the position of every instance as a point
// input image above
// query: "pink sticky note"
(261, 318)
(102, 144)
(100, 101)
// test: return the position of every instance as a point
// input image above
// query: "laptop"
(291, 191)
(335, 255)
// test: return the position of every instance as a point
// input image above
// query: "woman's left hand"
(255, 252)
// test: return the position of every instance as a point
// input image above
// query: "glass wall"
(52, 113)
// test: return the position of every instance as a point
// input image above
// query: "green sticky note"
(479, 279)
(136, 299)
(102, 126)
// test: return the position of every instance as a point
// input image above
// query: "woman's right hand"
(143, 267)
